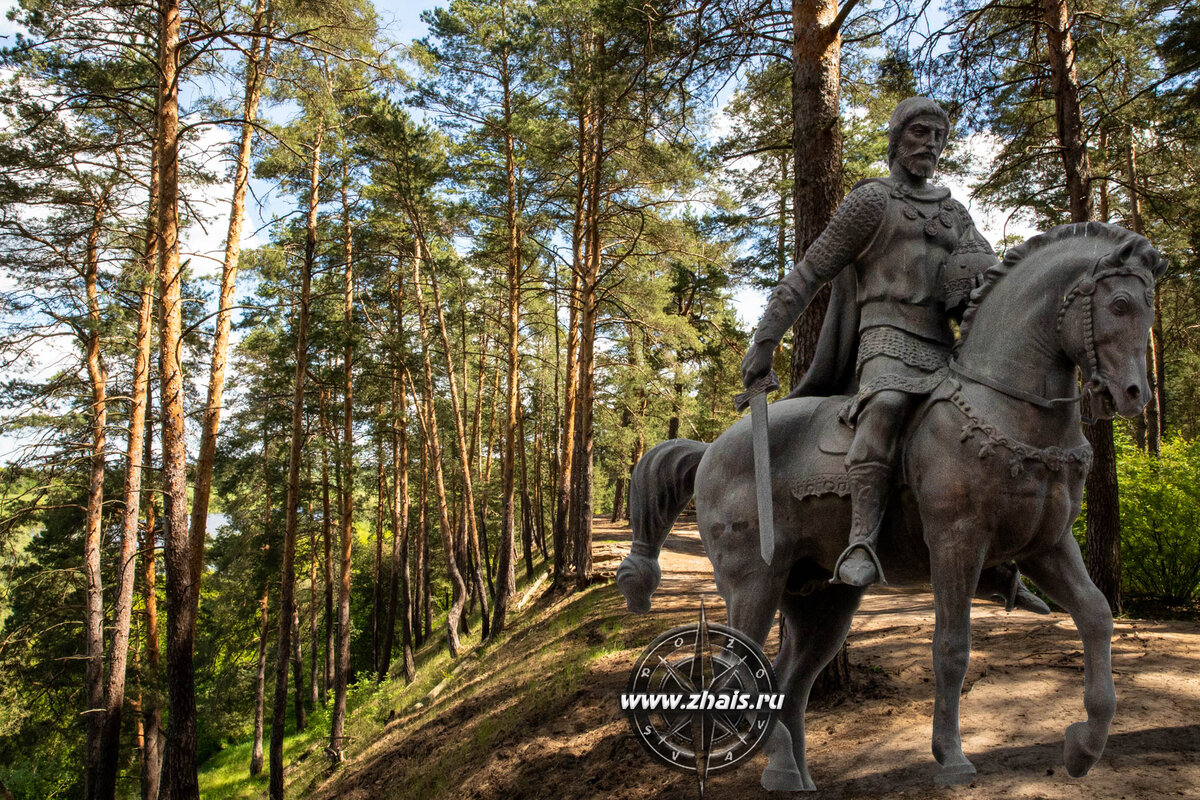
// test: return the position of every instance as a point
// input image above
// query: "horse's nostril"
(1134, 392)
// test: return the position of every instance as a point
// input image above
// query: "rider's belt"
(915, 352)
(926, 321)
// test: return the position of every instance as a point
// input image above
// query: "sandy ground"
(1024, 686)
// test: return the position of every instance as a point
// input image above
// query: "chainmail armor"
(850, 230)
(882, 341)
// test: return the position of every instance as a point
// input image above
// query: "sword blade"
(762, 476)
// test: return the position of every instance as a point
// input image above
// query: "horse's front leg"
(1060, 573)
(955, 568)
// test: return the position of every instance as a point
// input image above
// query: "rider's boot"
(869, 486)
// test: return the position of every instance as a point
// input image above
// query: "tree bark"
(506, 582)
(562, 506)
(211, 420)
(1103, 510)
(816, 151)
(1068, 118)
(327, 541)
(399, 590)
(379, 663)
(127, 566)
(287, 573)
(298, 669)
(179, 764)
(152, 731)
(260, 681)
(94, 608)
(346, 533)
(816, 191)
(582, 468)
(457, 584)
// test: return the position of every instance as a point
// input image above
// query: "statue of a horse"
(993, 472)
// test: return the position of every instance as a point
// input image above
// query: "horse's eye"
(1120, 306)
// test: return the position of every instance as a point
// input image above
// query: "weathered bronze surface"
(958, 466)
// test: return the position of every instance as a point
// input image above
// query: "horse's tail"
(661, 486)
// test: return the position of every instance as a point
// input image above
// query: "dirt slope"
(538, 717)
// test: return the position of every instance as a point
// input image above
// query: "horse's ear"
(1127, 250)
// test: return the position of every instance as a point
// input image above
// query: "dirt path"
(1024, 686)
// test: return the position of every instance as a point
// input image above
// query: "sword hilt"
(767, 383)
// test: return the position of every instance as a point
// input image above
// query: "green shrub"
(1160, 520)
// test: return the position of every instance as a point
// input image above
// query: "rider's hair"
(906, 111)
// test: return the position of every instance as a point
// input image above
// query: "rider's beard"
(920, 163)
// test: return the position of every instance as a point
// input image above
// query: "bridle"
(1085, 288)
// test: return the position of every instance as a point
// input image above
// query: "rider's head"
(917, 134)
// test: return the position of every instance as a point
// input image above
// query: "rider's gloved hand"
(757, 361)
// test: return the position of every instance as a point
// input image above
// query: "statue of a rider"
(916, 256)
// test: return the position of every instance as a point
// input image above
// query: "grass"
(554, 664)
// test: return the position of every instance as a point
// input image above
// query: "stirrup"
(861, 544)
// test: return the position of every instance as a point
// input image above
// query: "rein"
(1011, 391)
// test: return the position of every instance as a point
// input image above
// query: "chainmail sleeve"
(847, 235)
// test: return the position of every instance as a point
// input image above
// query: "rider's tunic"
(917, 256)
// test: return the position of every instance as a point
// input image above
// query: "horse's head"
(1104, 326)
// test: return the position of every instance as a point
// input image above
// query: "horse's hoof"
(781, 780)
(1028, 601)
(956, 775)
(1079, 757)
(858, 570)
(637, 578)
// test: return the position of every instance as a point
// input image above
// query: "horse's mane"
(1127, 246)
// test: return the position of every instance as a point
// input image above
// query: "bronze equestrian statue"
(959, 465)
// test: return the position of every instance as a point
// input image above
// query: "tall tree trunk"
(816, 150)
(817, 189)
(151, 703)
(127, 566)
(346, 534)
(582, 469)
(211, 421)
(526, 506)
(421, 614)
(260, 683)
(399, 574)
(457, 584)
(471, 528)
(327, 541)
(314, 641)
(1103, 511)
(1150, 421)
(298, 669)
(378, 660)
(1068, 118)
(94, 609)
(179, 764)
(562, 506)
(287, 572)
(505, 572)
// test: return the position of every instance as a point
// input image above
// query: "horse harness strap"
(1053, 458)
(1011, 391)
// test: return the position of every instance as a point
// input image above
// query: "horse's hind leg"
(816, 627)
(1060, 573)
(752, 601)
(955, 567)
